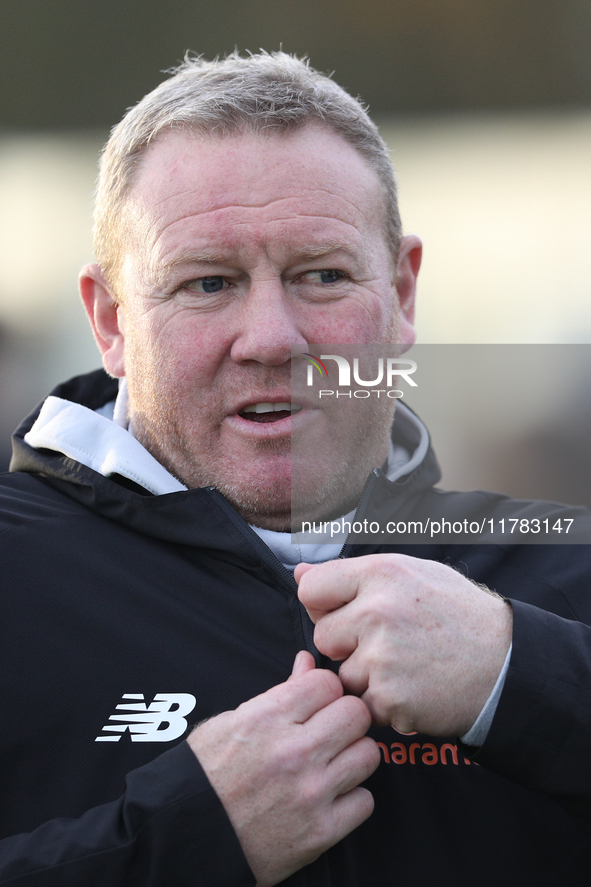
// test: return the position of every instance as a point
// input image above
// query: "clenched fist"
(420, 644)
(287, 765)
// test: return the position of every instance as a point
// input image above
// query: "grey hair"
(264, 92)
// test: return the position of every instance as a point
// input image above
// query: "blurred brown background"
(486, 105)
(80, 63)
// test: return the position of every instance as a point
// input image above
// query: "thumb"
(303, 663)
(300, 570)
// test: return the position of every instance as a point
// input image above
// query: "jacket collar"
(117, 477)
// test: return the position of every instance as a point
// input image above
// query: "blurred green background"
(79, 63)
(486, 105)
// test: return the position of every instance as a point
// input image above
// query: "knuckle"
(263, 711)
(305, 593)
(395, 567)
(289, 759)
(312, 794)
(360, 805)
(323, 636)
(347, 676)
(366, 802)
(329, 679)
(379, 716)
(318, 682)
(403, 722)
(371, 753)
(320, 634)
(380, 712)
(357, 712)
(365, 759)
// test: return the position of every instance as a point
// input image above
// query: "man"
(246, 208)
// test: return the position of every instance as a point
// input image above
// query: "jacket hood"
(174, 515)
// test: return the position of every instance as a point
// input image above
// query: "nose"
(268, 326)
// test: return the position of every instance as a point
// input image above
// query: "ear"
(409, 262)
(105, 318)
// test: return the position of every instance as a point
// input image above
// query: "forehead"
(235, 185)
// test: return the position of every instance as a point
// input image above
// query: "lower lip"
(268, 430)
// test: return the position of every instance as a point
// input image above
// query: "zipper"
(361, 509)
(304, 876)
(271, 559)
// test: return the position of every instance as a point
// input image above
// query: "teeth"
(271, 407)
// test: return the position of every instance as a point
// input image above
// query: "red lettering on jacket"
(426, 753)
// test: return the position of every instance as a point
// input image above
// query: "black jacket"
(114, 597)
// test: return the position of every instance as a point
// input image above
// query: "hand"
(422, 646)
(287, 765)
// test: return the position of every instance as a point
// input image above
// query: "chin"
(266, 506)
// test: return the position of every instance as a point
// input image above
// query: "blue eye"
(211, 284)
(329, 276)
(325, 275)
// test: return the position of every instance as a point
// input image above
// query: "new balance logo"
(161, 721)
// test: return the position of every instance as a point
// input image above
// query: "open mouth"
(269, 412)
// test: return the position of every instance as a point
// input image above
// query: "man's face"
(239, 248)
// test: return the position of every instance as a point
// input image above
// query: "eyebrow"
(191, 257)
(326, 248)
(188, 257)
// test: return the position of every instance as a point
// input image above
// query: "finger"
(298, 573)
(326, 587)
(335, 727)
(353, 765)
(303, 662)
(336, 634)
(387, 707)
(354, 674)
(301, 696)
(350, 810)
(300, 570)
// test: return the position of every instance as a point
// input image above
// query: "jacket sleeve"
(169, 827)
(540, 736)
